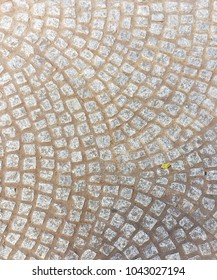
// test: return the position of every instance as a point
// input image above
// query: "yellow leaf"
(165, 165)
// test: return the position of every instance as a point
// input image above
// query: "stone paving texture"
(95, 95)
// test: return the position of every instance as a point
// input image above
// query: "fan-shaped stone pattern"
(94, 96)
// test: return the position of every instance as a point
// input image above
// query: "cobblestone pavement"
(95, 96)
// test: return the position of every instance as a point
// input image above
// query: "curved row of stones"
(94, 96)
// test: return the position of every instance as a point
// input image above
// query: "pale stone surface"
(95, 96)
